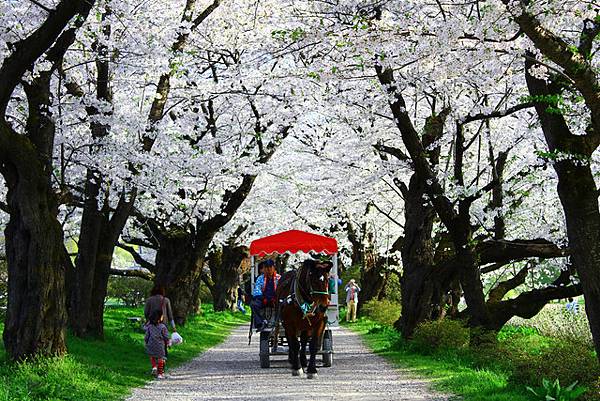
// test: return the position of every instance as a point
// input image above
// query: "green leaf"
(546, 383)
(572, 386)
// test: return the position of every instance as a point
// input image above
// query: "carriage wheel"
(265, 362)
(327, 346)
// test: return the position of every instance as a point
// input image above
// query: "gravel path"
(231, 371)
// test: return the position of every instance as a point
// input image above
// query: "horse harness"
(308, 309)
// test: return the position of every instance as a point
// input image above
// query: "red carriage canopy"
(293, 241)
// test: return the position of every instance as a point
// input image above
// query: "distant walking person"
(352, 291)
(157, 335)
(572, 306)
(158, 301)
(240, 299)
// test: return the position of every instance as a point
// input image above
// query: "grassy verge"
(108, 370)
(472, 375)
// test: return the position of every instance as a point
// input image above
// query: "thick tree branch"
(40, 5)
(498, 165)
(164, 83)
(137, 257)
(207, 280)
(132, 273)
(498, 113)
(481, 191)
(28, 50)
(528, 304)
(590, 31)
(415, 148)
(573, 63)
(556, 130)
(504, 251)
(121, 213)
(397, 153)
(140, 242)
(233, 201)
(502, 288)
(205, 14)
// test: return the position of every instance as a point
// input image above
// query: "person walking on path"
(157, 335)
(158, 301)
(240, 299)
(352, 291)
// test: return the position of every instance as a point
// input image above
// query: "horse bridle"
(301, 301)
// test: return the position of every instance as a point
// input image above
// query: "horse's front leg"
(303, 342)
(313, 348)
(294, 347)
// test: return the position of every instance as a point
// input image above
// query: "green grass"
(108, 370)
(457, 372)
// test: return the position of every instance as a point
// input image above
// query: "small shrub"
(441, 334)
(131, 290)
(392, 288)
(384, 312)
(483, 338)
(555, 321)
(510, 331)
(554, 392)
(378, 329)
(566, 361)
(593, 393)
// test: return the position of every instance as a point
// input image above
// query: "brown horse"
(304, 297)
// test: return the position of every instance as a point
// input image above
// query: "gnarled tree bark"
(36, 314)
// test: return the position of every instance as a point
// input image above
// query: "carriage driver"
(263, 293)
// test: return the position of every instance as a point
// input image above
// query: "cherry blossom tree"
(31, 53)
(560, 61)
(425, 44)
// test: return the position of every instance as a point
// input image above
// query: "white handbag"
(176, 338)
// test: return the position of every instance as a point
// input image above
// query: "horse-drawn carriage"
(272, 340)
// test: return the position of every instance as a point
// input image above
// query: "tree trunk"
(85, 264)
(419, 285)
(372, 278)
(224, 295)
(99, 291)
(36, 314)
(98, 238)
(96, 241)
(178, 271)
(578, 195)
(579, 198)
(225, 269)
(108, 239)
(470, 280)
(383, 294)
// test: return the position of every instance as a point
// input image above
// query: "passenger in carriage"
(263, 293)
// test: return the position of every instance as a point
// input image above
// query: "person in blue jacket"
(263, 293)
